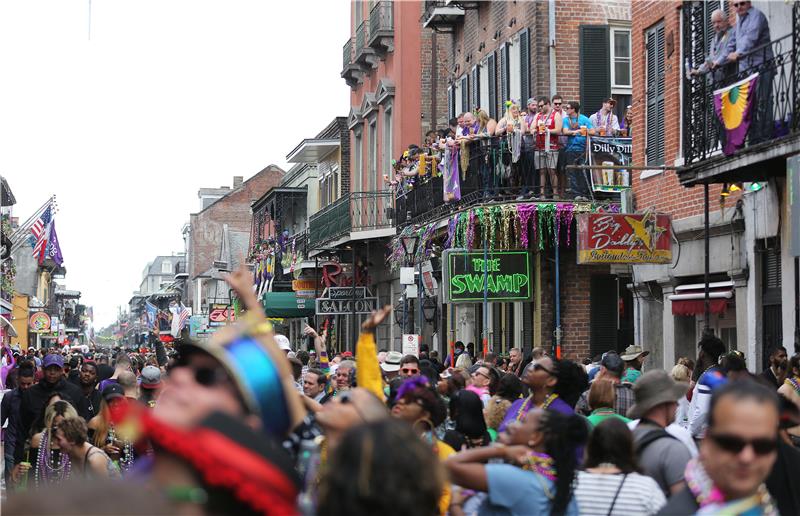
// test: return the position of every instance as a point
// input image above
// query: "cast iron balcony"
(354, 216)
(381, 27)
(441, 15)
(774, 116)
(350, 72)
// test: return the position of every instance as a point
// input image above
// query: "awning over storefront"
(690, 299)
(287, 304)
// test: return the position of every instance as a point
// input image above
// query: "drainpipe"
(433, 122)
(551, 36)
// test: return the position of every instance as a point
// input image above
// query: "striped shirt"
(639, 495)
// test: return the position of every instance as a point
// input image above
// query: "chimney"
(237, 181)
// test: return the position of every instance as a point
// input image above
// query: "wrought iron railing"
(356, 211)
(332, 221)
(381, 22)
(361, 39)
(371, 210)
(347, 54)
(491, 176)
(775, 111)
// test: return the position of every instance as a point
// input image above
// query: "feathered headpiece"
(412, 384)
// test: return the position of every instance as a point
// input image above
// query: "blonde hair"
(59, 408)
(463, 361)
(483, 118)
(495, 411)
(680, 373)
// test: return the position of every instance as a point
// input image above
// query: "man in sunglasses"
(736, 456)
(409, 366)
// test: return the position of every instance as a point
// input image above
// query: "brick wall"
(575, 303)
(480, 25)
(662, 191)
(233, 210)
(434, 52)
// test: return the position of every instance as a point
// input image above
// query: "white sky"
(167, 97)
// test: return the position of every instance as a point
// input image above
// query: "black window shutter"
(595, 67)
(492, 71)
(654, 119)
(464, 94)
(603, 314)
(504, 85)
(525, 65)
(527, 328)
(476, 88)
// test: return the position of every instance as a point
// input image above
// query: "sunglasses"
(735, 445)
(556, 103)
(737, 4)
(540, 367)
(346, 398)
(478, 373)
(406, 370)
(540, 106)
(210, 376)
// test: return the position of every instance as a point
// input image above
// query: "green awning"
(287, 304)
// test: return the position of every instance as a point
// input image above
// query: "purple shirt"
(558, 405)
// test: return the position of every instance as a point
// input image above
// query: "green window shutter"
(654, 83)
(525, 65)
(595, 67)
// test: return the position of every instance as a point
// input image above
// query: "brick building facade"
(229, 214)
(749, 262)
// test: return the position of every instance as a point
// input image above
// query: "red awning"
(698, 306)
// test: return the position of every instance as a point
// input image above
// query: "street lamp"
(409, 246)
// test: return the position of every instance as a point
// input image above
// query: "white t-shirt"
(678, 432)
(639, 494)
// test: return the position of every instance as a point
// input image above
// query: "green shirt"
(631, 375)
(601, 414)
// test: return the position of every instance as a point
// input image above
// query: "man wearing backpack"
(661, 456)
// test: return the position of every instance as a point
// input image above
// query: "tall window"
(386, 162)
(166, 267)
(358, 156)
(620, 60)
(372, 171)
(654, 119)
(483, 86)
(459, 108)
(514, 71)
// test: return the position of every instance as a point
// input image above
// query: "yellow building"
(19, 320)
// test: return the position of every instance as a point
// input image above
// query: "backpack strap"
(650, 438)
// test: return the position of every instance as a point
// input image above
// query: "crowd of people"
(524, 153)
(245, 425)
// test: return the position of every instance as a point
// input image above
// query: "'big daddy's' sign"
(501, 275)
(624, 238)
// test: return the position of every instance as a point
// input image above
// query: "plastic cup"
(23, 481)
(583, 130)
(602, 131)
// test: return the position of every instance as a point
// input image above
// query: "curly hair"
(496, 411)
(381, 468)
(572, 381)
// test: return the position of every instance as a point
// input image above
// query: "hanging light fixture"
(725, 192)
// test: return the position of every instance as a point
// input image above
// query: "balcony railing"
(361, 40)
(347, 54)
(355, 212)
(331, 222)
(381, 26)
(775, 108)
(490, 178)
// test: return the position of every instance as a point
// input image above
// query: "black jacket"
(783, 481)
(9, 410)
(33, 401)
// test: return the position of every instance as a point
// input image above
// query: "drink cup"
(602, 131)
(541, 126)
(583, 130)
(23, 481)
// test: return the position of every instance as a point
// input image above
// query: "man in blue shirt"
(750, 47)
(577, 126)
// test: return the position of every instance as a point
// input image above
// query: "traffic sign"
(346, 306)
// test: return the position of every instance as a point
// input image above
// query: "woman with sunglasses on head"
(541, 377)
(540, 464)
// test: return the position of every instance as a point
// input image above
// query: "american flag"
(38, 233)
(184, 316)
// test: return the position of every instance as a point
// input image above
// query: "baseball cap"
(53, 359)
(347, 354)
(113, 390)
(392, 361)
(283, 342)
(151, 377)
(613, 363)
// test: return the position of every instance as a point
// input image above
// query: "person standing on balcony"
(718, 56)
(546, 128)
(605, 121)
(577, 126)
(750, 47)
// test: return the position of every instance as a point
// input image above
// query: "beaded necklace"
(126, 456)
(46, 472)
(794, 384)
(540, 463)
(523, 409)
